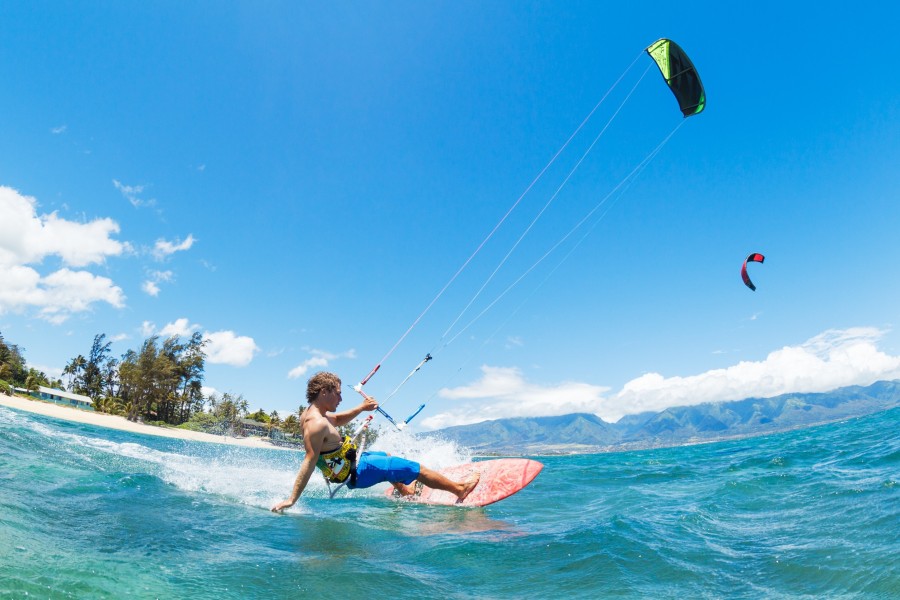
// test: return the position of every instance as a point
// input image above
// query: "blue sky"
(299, 180)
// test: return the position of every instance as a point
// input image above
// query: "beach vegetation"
(95, 367)
(12, 363)
(17, 373)
(223, 418)
(74, 371)
(260, 416)
(111, 405)
(291, 424)
(35, 379)
(205, 422)
(159, 383)
(162, 381)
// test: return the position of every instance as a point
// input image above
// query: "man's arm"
(342, 418)
(313, 443)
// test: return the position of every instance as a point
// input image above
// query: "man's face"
(332, 398)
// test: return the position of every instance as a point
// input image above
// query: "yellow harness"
(340, 464)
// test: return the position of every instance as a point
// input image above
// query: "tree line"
(14, 372)
(161, 382)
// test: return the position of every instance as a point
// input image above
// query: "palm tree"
(75, 370)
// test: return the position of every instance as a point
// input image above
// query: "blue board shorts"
(377, 467)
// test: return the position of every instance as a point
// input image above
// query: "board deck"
(500, 478)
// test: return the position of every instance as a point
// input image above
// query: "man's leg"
(435, 480)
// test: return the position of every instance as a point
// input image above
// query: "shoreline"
(89, 417)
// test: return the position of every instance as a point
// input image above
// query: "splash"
(431, 450)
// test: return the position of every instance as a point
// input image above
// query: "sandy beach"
(59, 411)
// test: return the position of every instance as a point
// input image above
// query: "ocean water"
(87, 512)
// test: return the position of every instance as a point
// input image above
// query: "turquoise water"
(87, 512)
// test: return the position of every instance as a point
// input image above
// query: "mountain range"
(586, 433)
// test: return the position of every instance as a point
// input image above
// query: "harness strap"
(352, 453)
(339, 464)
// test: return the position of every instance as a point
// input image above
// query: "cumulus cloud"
(222, 347)
(154, 278)
(164, 248)
(27, 238)
(226, 348)
(503, 392)
(58, 130)
(180, 327)
(56, 296)
(319, 359)
(150, 288)
(833, 359)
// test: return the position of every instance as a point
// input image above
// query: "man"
(326, 449)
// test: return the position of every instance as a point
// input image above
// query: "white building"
(60, 397)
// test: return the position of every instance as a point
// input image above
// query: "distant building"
(250, 427)
(60, 397)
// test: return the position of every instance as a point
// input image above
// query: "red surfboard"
(500, 478)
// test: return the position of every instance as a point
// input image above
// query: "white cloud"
(833, 359)
(319, 360)
(27, 238)
(58, 130)
(132, 194)
(222, 347)
(225, 347)
(68, 291)
(164, 248)
(57, 296)
(148, 328)
(503, 392)
(151, 285)
(180, 327)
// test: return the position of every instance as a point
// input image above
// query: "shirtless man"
(321, 437)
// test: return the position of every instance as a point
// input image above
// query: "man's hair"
(322, 381)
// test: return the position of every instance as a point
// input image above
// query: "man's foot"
(469, 485)
(401, 489)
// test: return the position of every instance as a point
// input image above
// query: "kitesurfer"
(337, 458)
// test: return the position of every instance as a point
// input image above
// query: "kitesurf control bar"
(369, 376)
(410, 418)
(358, 389)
